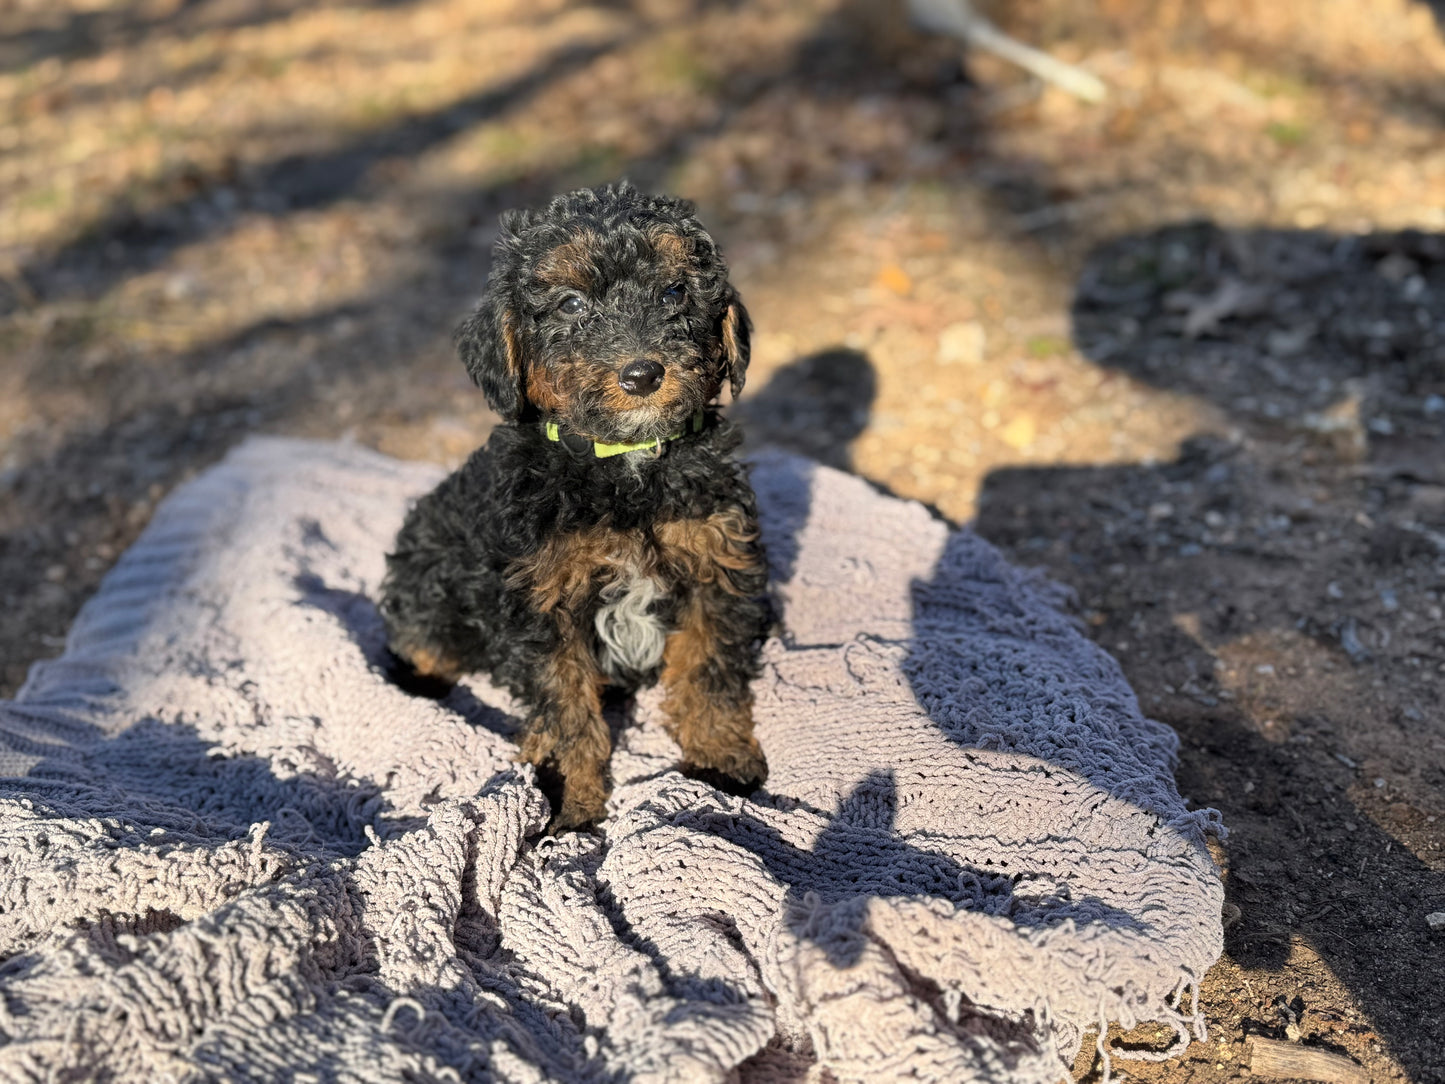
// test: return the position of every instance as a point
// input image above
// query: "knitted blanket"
(233, 850)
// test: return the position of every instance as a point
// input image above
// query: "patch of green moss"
(1047, 346)
(1287, 133)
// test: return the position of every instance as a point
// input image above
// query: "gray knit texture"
(232, 850)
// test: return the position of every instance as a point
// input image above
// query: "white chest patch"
(629, 635)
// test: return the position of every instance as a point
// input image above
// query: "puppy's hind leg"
(417, 639)
(430, 638)
(422, 671)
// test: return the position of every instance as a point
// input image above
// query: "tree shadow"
(127, 241)
(160, 788)
(80, 34)
(124, 243)
(861, 855)
(1000, 668)
(176, 781)
(1267, 324)
(1207, 575)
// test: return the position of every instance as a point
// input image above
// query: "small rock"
(1397, 267)
(961, 344)
(1349, 635)
(1019, 434)
(180, 286)
(1435, 920)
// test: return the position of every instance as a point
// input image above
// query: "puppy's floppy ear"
(737, 342)
(488, 344)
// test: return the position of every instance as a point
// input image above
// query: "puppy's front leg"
(707, 670)
(566, 727)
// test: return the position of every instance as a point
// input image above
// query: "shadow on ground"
(1274, 592)
(75, 35)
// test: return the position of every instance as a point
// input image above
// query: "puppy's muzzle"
(641, 377)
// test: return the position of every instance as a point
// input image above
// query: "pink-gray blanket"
(232, 850)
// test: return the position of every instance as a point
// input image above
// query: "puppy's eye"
(571, 305)
(675, 294)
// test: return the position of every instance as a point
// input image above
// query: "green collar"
(554, 433)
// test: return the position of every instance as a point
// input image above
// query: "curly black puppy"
(604, 535)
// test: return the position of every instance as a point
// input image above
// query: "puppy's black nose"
(641, 377)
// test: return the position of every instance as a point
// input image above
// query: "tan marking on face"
(546, 390)
(705, 550)
(553, 389)
(673, 248)
(570, 263)
(668, 393)
(732, 331)
(513, 348)
(617, 400)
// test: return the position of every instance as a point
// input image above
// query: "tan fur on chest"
(622, 576)
(563, 571)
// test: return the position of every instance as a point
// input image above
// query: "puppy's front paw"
(737, 769)
(581, 807)
(575, 785)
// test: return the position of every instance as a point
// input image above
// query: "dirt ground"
(1185, 349)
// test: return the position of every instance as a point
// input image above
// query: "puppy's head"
(610, 311)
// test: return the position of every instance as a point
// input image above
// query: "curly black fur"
(505, 566)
